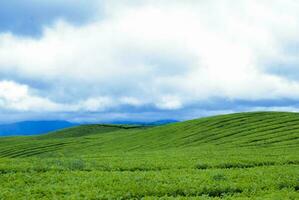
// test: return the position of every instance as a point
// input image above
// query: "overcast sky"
(145, 60)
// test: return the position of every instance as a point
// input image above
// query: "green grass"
(235, 156)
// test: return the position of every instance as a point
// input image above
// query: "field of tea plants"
(236, 156)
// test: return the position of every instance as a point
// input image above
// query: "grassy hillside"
(236, 156)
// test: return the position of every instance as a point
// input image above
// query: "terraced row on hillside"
(246, 130)
(237, 156)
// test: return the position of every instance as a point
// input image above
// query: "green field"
(235, 156)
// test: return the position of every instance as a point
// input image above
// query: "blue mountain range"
(33, 127)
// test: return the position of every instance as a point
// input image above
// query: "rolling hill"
(234, 156)
(261, 129)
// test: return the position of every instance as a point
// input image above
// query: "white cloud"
(168, 54)
(16, 97)
(96, 104)
(169, 103)
(131, 101)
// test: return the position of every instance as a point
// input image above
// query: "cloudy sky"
(145, 60)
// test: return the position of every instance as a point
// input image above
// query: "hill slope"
(88, 129)
(260, 129)
(237, 156)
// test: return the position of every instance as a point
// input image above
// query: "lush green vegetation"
(237, 156)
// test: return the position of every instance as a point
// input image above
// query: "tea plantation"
(236, 156)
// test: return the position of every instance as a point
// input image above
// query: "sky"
(146, 60)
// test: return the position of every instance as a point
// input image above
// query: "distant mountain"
(162, 122)
(33, 127)
(154, 123)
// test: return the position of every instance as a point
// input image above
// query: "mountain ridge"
(24, 128)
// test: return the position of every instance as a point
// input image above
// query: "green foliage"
(237, 156)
